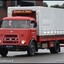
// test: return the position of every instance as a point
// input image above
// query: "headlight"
(23, 41)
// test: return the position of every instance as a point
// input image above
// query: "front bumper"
(15, 48)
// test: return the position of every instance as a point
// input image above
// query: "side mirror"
(35, 24)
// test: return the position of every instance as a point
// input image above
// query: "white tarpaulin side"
(50, 21)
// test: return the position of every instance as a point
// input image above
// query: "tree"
(55, 6)
(62, 6)
(45, 4)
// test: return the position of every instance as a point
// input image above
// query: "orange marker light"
(21, 11)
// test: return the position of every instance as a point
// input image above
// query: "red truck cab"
(18, 33)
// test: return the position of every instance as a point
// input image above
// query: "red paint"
(22, 34)
(50, 38)
(18, 18)
(26, 34)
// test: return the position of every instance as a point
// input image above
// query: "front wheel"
(31, 49)
(3, 52)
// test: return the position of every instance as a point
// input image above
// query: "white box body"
(50, 21)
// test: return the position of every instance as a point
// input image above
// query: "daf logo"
(10, 38)
(11, 31)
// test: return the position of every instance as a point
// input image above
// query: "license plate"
(9, 46)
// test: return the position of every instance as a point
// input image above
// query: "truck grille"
(10, 39)
(10, 35)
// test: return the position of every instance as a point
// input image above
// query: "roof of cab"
(18, 18)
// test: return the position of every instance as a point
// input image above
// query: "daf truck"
(32, 28)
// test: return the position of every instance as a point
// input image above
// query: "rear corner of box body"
(51, 21)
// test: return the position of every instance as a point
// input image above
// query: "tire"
(3, 52)
(31, 49)
(56, 48)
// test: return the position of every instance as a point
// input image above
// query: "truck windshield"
(15, 24)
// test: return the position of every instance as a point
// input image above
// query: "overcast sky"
(54, 2)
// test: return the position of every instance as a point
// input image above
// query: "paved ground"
(43, 56)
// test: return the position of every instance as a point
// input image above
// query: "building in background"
(4, 4)
(29, 3)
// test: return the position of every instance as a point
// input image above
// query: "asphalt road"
(43, 56)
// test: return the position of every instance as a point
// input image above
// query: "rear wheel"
(56, 47)
(3, 52)
(31, 49)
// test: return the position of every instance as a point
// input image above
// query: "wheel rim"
(32, 49)
(57, 48)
